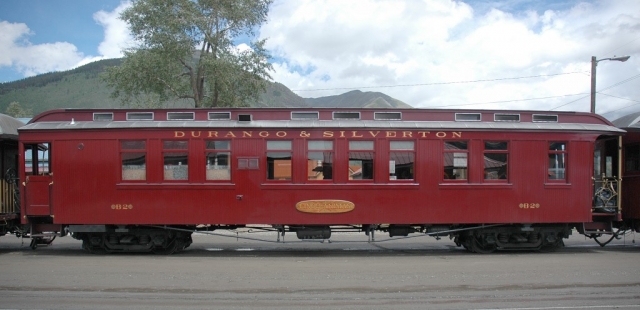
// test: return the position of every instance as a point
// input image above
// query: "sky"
(466, 54)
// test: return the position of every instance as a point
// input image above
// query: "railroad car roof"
(628, 121)
(418, 125)
(9, 127)
(273, 118)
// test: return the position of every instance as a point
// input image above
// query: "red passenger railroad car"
(9, 212)
(144, 180)
(630, 193)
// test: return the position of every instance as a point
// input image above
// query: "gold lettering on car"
(529, 205)
(324, 134)
(119, 206)
(325, 206)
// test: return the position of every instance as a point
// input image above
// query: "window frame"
(446, 151)
(164, 151)
(144, 150)
(411, 151)
(361, 150)
(332, 152)
(629, 149)
(495, 151)
(564, 152)
(278, 150)
(207, 166)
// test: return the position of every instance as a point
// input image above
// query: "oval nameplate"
(325, 206)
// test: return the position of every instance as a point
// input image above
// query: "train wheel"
(174, 243)
(93, 244)
(34, 244)
(167, 250)
(481, 247)
(552, 247)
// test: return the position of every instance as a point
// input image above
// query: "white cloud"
(31, 59)
(335, 44)
(10, 34)
(116, 32)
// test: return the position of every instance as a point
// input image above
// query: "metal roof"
(9, 127)
(629, 121)
(297, 124)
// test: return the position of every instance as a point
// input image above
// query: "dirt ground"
(222, 272)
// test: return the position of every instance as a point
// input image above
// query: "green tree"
(186, 51)
(15, 109)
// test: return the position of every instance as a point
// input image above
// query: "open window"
(279, 160)
(319, 160)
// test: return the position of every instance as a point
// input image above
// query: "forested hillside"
(83, 88)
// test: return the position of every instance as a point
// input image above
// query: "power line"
(617, 48)
(570, 102)
(549, 97)
(441, 83)
(505, 101)
(621, 82)
(611, 86)
(629, 106)
(638, 101)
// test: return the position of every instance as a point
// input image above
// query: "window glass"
(401, 160)
(557, 161)
(278, 145)
(361, 163)
(402, 145)
(218, 145)
(632, 158)
(176, 156)
(495, 160)
(597, 161)
(279, 160)
(36, 159)
(134, 160)
(320, 160)
(455, 160)
(361, 145)
(218, 156)
(175, 145)
(133, 145)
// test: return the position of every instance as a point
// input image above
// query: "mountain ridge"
(82, 88)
